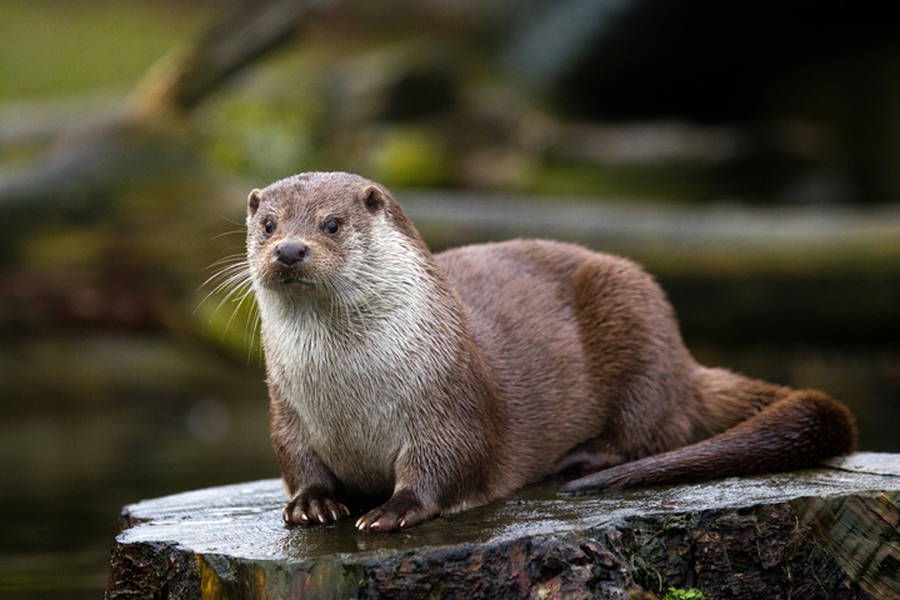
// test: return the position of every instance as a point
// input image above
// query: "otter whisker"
(242, 232)
(236, 283)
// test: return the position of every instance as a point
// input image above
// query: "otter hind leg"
(588, 457)
(795, 432)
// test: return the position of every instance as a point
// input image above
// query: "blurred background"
(745, 152)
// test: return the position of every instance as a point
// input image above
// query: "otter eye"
(269, 226)
(331, 227)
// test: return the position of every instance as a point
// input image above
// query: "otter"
(428, 384)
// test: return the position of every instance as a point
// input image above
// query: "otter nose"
(291, 253)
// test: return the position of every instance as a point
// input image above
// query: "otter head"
(321, 233)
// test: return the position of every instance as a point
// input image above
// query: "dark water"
(89, 423)
(117, 420)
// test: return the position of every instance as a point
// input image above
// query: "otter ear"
(253, 202)
(373, 198)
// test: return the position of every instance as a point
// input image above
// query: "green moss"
(410, 157)
(682, 182)
(680, 594)
(267, 140)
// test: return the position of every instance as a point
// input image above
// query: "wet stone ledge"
(831, 533)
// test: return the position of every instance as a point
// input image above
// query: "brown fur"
(436, 383)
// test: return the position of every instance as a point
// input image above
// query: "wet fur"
(437, 383)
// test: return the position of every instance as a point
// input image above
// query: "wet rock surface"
(832, 532)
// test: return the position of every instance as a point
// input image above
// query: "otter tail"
(797, 430)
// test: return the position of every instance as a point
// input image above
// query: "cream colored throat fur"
(356, 367)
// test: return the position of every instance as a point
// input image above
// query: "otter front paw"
(402, 511)
(314, 505)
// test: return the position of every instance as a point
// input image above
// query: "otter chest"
(353, 400)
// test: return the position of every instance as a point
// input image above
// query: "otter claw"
(402, 511)
(314, 506)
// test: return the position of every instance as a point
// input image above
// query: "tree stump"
(830, 532)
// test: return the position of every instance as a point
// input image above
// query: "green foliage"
(680, 594)
(60, 47)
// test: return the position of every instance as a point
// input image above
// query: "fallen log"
(831, 532)
(735, 274)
